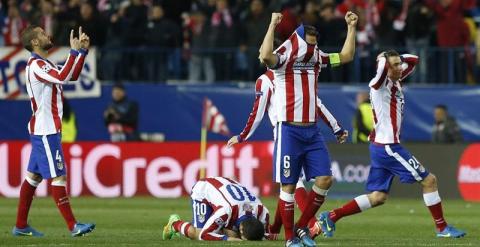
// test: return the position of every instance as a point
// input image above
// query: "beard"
(48, 46)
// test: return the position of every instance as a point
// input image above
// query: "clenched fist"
(351, 19)
(276, 18)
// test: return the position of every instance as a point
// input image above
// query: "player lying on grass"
(222, 209)
(389, 158)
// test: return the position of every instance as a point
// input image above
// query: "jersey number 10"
(239, 193)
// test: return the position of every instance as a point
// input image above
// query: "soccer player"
(222, 209)
(299, 144)
(264, 104)
(44, 82)
(389, 158)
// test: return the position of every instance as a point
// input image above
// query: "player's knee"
(35, 177)
(430, 181)
(378, 198)
(324, 182)
(59, 181)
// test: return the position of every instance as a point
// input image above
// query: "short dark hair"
(253, 229)
(27, 36)
(391, 53)
(442, 106)
(310, 30)
(119, 85)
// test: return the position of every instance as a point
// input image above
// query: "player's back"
(234, 198)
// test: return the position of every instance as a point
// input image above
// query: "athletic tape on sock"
(300, 184)
(32, 182)
(431, 198)
(319, 191)
(284, 196)
(59, 183)
(363, 202)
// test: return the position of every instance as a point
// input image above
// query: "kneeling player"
(222, 209)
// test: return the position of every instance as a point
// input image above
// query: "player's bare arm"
(266, 50)
(348, 50)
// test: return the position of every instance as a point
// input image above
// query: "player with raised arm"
(388, 157)
(264, 104)
(222, 209)
(299, 144)
(44, 82)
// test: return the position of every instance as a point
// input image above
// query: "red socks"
(59, 194)
(182, 227)
(277, 223)
(437, 214)
(434, 204)
(286, 207)
(26, 196)
(349, 208)
(301, 198)
(316, 197)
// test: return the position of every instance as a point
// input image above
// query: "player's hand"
(232, 141)
(351, 19)
(276, 18)
(74, 42)
(342, 136)
(84, 39)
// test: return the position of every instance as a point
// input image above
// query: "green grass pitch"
(138, 222)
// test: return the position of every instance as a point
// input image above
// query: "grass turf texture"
(139, 222)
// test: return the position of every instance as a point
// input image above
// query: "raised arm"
(382, 70)
(84, 45)
(266, 50)
(409, 63)
(348, 50)
(47, 73)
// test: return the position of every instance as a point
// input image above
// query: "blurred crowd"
(218, 40)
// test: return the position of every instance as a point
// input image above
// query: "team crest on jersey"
(201, 218)
(219, 221)
(421, 168)
(60, 165)
(286, 172)
(46, 68)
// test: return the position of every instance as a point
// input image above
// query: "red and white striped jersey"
(44, 87)
(296, 75)
(387, 101)
(231, 203)
(265, 103)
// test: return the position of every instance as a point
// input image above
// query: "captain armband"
(334, 59)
